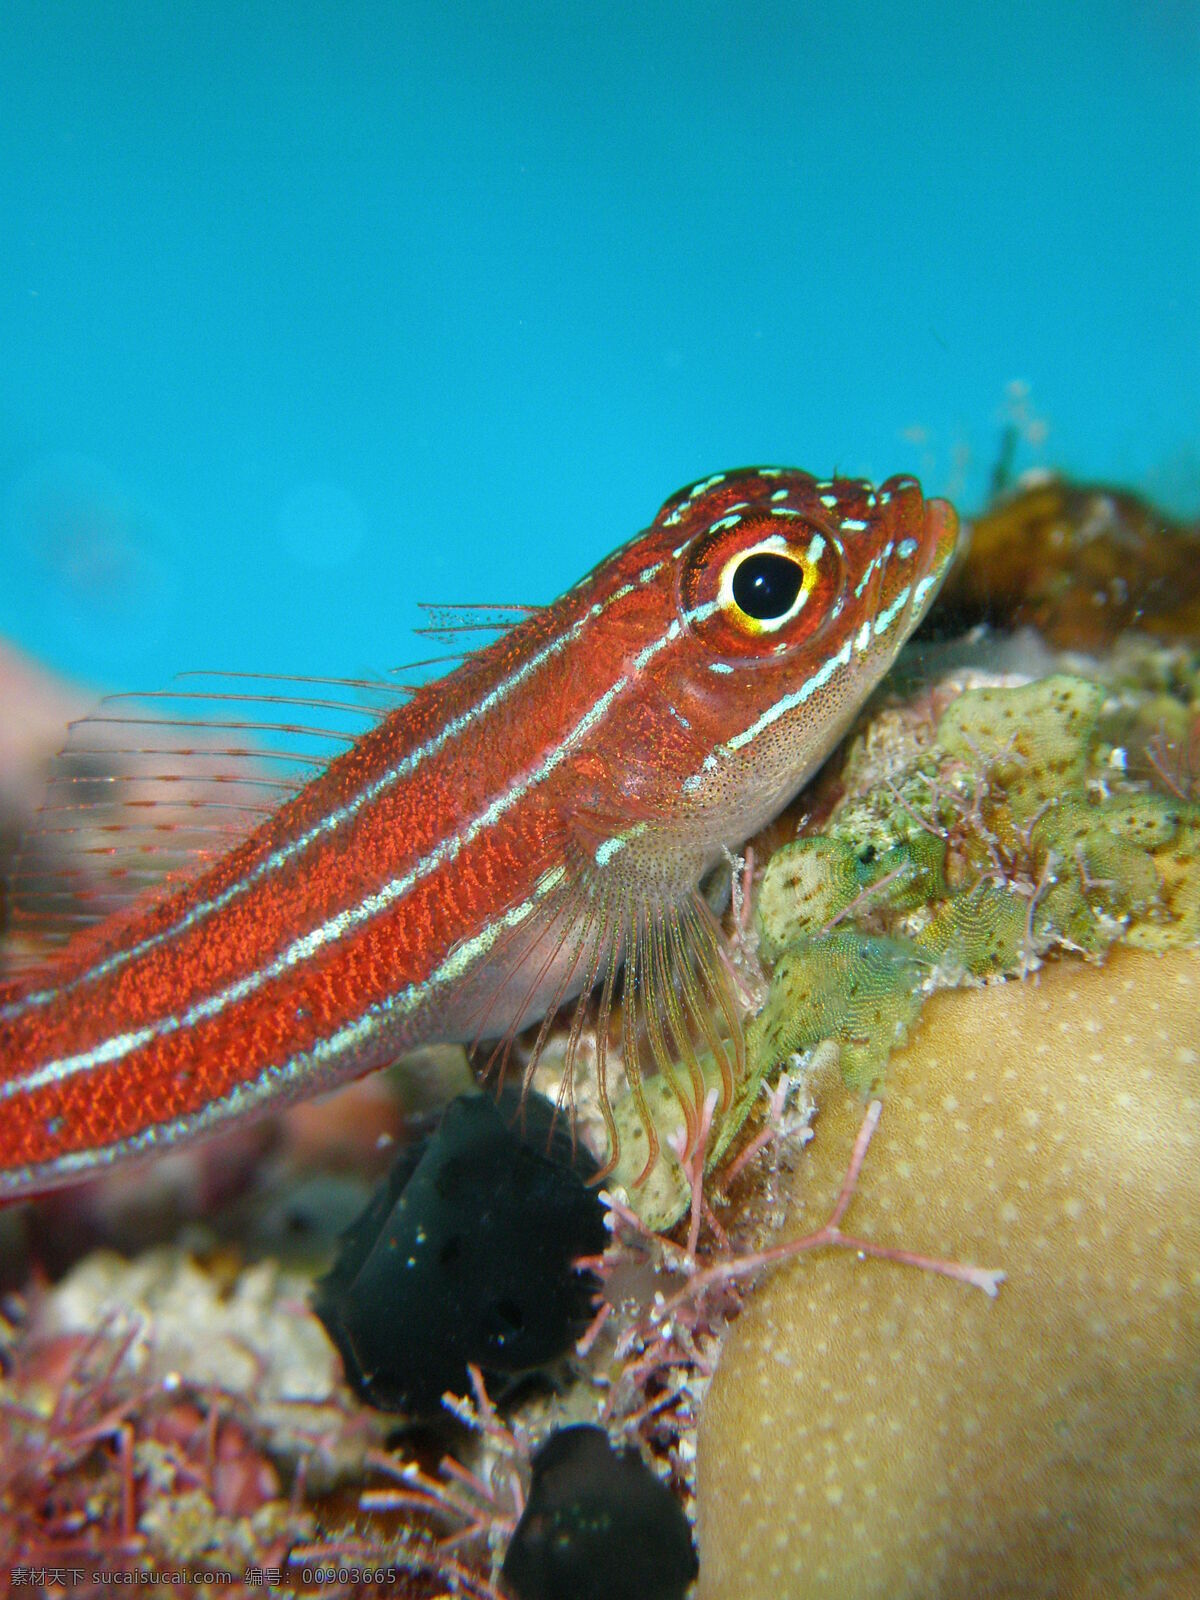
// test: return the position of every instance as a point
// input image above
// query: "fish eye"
(766, 585)
(754, 590)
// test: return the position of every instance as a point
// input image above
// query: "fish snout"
(922, 537)
(941, 537)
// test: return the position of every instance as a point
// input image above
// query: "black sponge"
(598, 1526)
(465, 1254)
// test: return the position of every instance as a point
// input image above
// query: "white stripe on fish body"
(407, 767)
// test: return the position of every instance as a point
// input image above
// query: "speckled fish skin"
(618, 739)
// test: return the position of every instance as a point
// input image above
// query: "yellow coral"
(874, 1432)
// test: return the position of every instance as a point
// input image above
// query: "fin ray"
(656, 969)
(151, 788)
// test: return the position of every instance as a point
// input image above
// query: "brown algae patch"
(1081, 563)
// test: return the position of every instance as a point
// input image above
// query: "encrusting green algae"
(1018, 831)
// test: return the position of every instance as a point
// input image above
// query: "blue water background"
(308, 312)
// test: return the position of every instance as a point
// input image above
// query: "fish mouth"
(939, 544)
(942, 532)
(921, 541)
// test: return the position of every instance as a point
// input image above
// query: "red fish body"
(499, 843)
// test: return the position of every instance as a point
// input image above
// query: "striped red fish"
(508, 839)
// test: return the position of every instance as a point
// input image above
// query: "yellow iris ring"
(777, 545)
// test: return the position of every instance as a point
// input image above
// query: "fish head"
(793, 598)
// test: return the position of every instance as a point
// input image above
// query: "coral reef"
(985, 913)
(248, 1334)
(875, 1431)
(872, 1430)
(151, 1415)
(1012, 829)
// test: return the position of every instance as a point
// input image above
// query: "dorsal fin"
(449, 622)
(151, 788)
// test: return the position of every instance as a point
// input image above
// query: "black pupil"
(765, 586)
